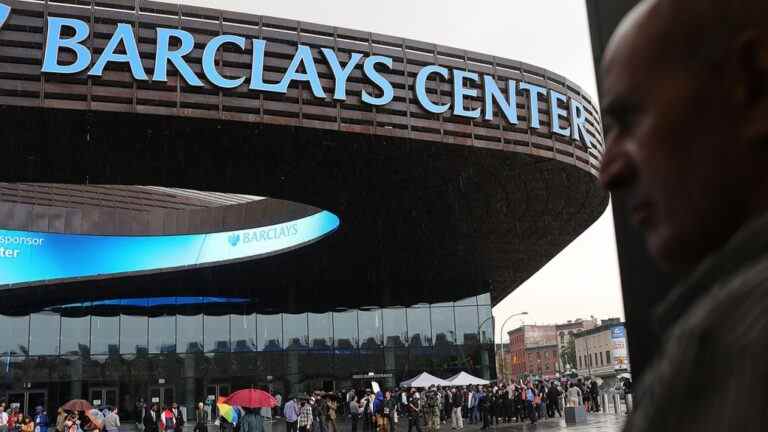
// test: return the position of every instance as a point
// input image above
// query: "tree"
(568, 355)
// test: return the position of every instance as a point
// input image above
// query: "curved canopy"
(463, 378)
(424, 380)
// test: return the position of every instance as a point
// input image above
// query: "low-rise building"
(566, 334)
(534, 352)
(602, 351)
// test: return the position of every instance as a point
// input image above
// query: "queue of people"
(105, 419)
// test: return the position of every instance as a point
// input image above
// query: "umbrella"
(251, 398)
(227, 411)
(77, 405)
(625, 375)
(96, 417)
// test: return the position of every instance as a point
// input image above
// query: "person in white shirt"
(3, 419)
(574, 396)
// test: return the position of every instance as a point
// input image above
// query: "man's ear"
(751, 85)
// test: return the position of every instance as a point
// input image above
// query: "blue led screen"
(28, 257)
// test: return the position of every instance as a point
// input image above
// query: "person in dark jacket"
(201, 418)
(684, 95)
(252, 421)
(152, 419)
(553, 401)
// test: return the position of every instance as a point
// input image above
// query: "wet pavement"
(596, 422)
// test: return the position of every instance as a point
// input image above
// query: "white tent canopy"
(424, 380)
(463, 378)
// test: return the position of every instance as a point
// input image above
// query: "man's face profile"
(678, 119)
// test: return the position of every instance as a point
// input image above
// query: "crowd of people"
(435, 406)
(105, 419)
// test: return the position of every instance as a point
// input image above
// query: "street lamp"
(479, 329)
(503, 360)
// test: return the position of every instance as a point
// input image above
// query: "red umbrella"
(251, 398)
(77, 405)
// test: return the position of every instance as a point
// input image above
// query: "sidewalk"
(596, 422)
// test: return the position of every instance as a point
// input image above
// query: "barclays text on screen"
(303, 68)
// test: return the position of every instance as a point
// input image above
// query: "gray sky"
(581, 281)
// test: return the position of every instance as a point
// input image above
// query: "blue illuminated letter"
(388, 92)
(164, 54)
(492, 92)
(579, 122)
(533, 98)
(257, 69)
(124, 34)
(341, 75)
(459, 91)
(421, 88)
(209, 61)
(54, 43)
(303, 55)
(555, 112)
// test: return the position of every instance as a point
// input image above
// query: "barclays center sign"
(567, 116)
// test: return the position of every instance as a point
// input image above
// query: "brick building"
(533, 352)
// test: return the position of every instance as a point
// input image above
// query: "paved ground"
(595, 423)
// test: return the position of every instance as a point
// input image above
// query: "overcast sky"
(581, 281)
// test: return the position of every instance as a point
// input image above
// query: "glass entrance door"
(161, 395)
(104, 396)
(212, 394)
(27, 401)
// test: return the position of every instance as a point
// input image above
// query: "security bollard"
(630, 402)
(616, 404)
(605, 403)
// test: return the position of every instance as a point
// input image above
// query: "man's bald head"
(685, 98)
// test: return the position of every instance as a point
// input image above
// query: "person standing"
(27, 424)
(553, 401)
(413, 409)
(167, 421)
(457, 402)
(4, 419)
(385, 412)
(252, 421)
(178, 416)
(112, 421)
(354, 412)
(152, 419)
(331, 406)
(291, 412)
(304, 421)
(201, 418)
(574, 395)
(277, 409)
(530, 395)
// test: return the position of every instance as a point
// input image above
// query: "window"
(162, 334)
(105, 331)
(419, 330)
(395, 333)
(75, 335)
(320, 332)
(370, 327)
(608, 357)
(295, 332)
(216, 332)
(44, 334)
(345, 331)
(595, 359)
(189, 333)
(601, 359)
(243, 329)
(269, 332)
(133, 334)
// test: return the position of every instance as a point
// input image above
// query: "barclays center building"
(194, 201)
